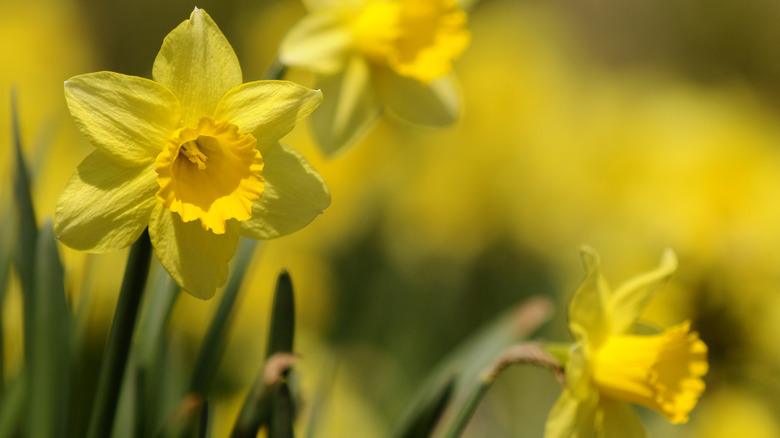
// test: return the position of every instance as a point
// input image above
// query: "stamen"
(193, 153)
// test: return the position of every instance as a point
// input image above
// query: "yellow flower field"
(376, 223)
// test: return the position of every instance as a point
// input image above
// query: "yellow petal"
(433, 34)
(571, 418)
(618, 420)
(267, 109)
(589, 315)
(104, 206)
(578, 370)
(662, 372)
(350, 108)
(294, 195)
(630, 299)
(376, 30)
(198, 64)
(319, 41)
(197, 259)
(433, 104)
(126, 117)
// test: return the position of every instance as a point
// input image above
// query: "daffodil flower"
(371, 54)
(609, 366)
(194, 155)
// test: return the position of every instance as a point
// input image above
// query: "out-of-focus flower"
(194, 145)
(609, 367)
(736, 411)
(371, 54)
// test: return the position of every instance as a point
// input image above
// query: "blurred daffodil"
(371, 54)
(609, 367)
(194, 155)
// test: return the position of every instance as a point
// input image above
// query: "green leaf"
(528, 353)
(215, 341)
(282, 332)
(203, 426)
(429, 412)
(50, 355)
(280, 425)
(118, 348)
(150, 351)
(257, 406)
(27, 234)
(469, 360)
(13, 402)
(186, 419)
(6, 257)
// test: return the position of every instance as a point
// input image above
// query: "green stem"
(149, 350)
(115, 356)
(559, 351)
(276, 70)
(214, 342)
(529, 353)
(463, 416)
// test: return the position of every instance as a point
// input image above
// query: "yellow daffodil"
(371, 54)
(194, 155)
(609, 367)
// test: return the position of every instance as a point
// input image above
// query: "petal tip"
(669, 258)
(589, 256)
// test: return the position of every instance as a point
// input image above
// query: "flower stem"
(215, 340)
(276, 70)
(558, 350)
(115, 356)
(529, 353)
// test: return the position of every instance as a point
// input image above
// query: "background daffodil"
(608, 365)
(194, 155)
(371, 54)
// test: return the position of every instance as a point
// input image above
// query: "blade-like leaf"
(471, 358)
(49, 359)
(150, 350)
(256, 410)
(215, 341)
(282, 332)
(430, 412)
(530, 353)
(186, 419)
(257, 406)
(27, 234)
(7, 243)
(118, 348)
(13, 402)
(280, 425)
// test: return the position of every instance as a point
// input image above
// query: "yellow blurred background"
(629, 127)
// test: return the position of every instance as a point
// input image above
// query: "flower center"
(193, 153)
(210, 172)
(662, 372)
(415, 38)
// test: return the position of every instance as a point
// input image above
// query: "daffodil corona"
(608, 366)
(194, 155)
(210, 172)
(416, 39)
(372, 54)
